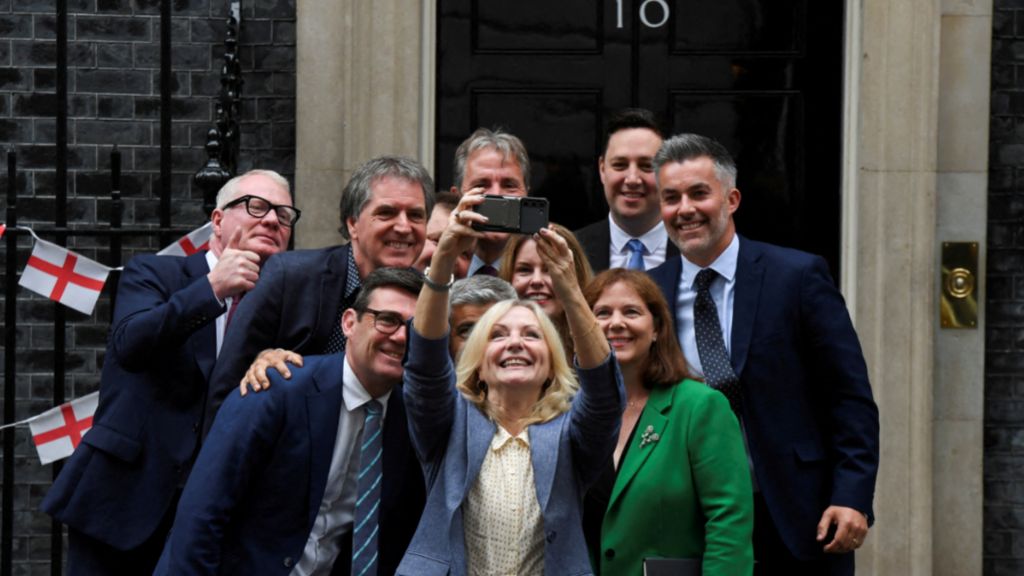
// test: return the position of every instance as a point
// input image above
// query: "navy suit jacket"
(596, 240)
(808, 413)
(120, 482)
(294, 306)
(260, 477)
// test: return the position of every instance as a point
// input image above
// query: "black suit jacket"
(596, 240)
(294, 306)
(808, 412)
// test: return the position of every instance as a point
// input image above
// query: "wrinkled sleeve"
(150, 316)
(430, 395)
(596, 416)
(854, 414)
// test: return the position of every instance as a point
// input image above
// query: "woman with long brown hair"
(523, 268)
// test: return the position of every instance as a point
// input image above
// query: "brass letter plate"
(958, 302)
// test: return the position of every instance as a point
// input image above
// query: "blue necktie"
(636, 258)
(714, 359)
(364, 532)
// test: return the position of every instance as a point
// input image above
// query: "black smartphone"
(519, 214)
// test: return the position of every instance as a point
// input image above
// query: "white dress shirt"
(655, 242)
(477, 263)
(723, 290)
(337, 508)
(222, 320)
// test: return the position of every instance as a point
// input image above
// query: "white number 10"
(643, 13)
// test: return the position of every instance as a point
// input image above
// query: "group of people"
(428, 398)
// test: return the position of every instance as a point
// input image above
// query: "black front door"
(764, 77)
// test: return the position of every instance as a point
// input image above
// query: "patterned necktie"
(364, 532)
(718, 372)
(336, 341)
(486, 270)
(636, 257)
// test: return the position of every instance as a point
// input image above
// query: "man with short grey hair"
(387, 232)
(117, 494)
(496, 162)
(766, 326)
(298, 305)
(468, 300)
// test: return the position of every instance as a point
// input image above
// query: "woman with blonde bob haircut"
(559, 389)
(509, 439)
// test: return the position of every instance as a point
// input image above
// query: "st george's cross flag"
(189, 244)
(61, 275)
(58, 431)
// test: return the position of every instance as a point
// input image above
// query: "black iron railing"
(222, 141)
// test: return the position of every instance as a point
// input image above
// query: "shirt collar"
(502, 438)
(211, 261)
(476, 263)
(725, 264)
(653, 239)
(353, 393)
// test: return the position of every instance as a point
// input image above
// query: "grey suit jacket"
(451, 437)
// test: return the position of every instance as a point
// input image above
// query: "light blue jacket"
(451, 437)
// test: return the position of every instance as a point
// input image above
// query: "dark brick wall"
(113, 83)
(1004, 336)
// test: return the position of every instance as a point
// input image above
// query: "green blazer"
(683, 489)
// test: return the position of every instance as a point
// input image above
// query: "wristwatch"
(434, 285)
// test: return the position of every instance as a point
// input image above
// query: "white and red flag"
(61, 275)
(58, 431)
(189, 244)
(3, 228)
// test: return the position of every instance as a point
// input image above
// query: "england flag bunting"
(58, 431)
(59, 274)
(189, 244)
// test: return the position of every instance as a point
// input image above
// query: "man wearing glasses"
(304, 478)
(118, 491)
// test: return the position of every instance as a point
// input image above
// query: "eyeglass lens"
(258, 208)
(385, 321)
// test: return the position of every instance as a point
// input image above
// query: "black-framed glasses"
(386, 321)
(259, 207)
